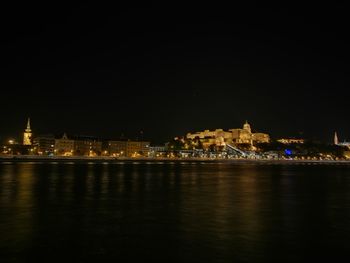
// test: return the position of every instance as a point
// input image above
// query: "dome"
(246, 127)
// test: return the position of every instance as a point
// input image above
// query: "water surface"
(173, 212)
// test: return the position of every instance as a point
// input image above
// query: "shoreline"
(83, 159)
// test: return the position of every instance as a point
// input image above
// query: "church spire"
(28, 125)
(27, 135)
(336, 140)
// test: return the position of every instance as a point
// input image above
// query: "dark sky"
(106, 70)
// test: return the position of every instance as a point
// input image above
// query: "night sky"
(103, 70)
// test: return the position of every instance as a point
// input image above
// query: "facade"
(27, 135)
(291, 141)
(158, 148)
(242, 136)
(347, 154)
(127, 148)
(220, 137)
(217, 137)
(64, 146)
(117, 148)
(45, 144)
(92, 146)
(260, 137)
(209, 134)
(87, 146)
(136, 148)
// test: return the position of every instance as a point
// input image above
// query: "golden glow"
(290, 141)
(220, 138)
(27, 135)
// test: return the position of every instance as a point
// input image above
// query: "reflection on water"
(173, 212)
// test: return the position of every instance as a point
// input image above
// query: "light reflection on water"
(173, 212)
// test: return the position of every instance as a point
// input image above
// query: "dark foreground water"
(174, 212)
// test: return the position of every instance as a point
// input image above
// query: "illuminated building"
(117, 148)
(87, 146)
(27, 135)
(219, 137)
(291, 141)
(260, 137)
(157, 151)
(64, 146)
(45, 144)
(128, 148)
(136, 148)
(347, 154)
(242, 136)
(78, 145)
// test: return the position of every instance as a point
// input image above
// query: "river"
(173, 212)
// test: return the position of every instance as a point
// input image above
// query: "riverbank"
(106, 159)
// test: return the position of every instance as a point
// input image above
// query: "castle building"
(220, 137)
(27, 135)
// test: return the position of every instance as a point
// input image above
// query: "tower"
(336, 141)
(246, 127)
(27, 135)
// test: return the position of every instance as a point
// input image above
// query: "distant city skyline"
(141, 134)
(235, 143)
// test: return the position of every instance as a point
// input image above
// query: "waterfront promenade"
(35, 158)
